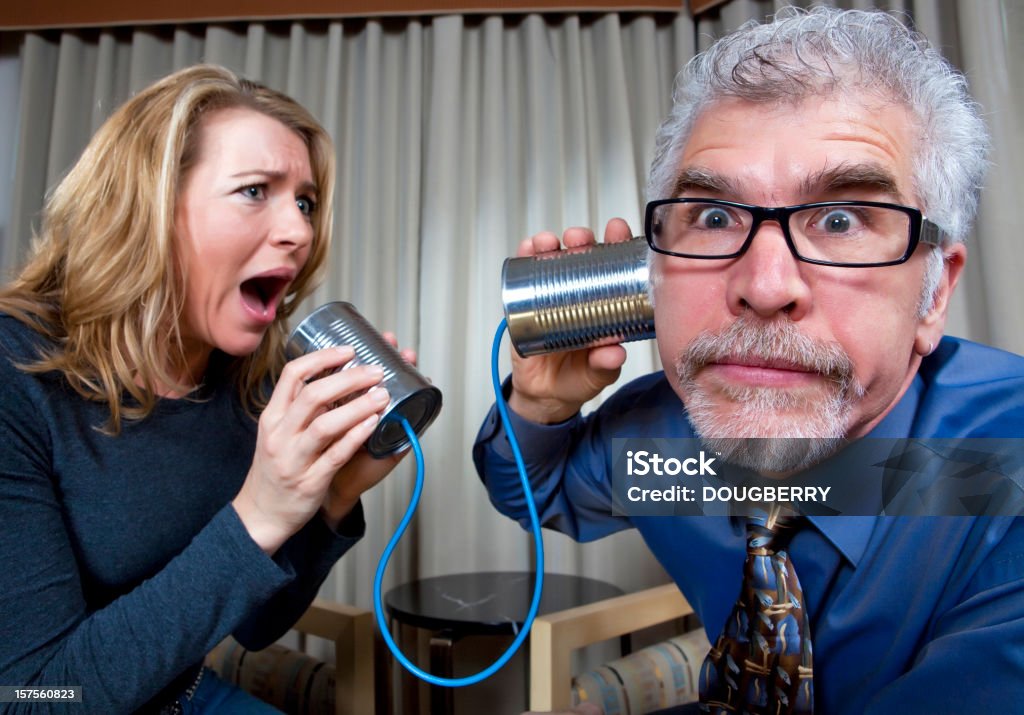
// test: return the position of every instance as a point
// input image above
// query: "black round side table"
(485, 603)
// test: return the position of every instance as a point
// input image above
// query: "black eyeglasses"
(830, 233)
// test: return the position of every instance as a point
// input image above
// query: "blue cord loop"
(411, 510)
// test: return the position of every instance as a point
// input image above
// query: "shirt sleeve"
(309, 555)
(568, 473)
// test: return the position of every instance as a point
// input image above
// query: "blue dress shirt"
(908, 614)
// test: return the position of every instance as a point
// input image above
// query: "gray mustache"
(776, 341)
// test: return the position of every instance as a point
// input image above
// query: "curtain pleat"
(456, 138)
(993, 60)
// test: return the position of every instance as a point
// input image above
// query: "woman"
(145, 514)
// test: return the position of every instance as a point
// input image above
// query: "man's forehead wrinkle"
(831, 178)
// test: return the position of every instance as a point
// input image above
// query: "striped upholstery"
(293, 682)
(659, 676)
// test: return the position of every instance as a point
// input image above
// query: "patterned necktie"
(761, 663)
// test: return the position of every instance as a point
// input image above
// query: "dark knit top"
(122, 561)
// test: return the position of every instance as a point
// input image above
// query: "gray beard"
(758, 433)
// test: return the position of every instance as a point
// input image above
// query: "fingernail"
(371, 420)
(379, 394)
(375, 371)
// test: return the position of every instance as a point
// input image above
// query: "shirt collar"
(850, 534)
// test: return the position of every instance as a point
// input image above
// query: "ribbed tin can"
(412, 396)
(578, 298)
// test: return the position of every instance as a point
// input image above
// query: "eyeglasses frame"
(921, 229)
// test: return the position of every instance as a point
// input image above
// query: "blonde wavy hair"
(104, 281)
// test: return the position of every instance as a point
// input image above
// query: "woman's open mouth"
(261, 294)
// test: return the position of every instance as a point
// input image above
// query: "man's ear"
(933, 323)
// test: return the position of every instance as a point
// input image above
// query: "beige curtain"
(456, 138)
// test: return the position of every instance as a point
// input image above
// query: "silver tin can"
(578, 298)
(412, 396)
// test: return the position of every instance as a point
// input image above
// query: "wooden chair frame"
(555, 636)
(354, 635)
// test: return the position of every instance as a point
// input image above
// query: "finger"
(607, 358)
(301, 370)
(345, 446)
(617, 230)
(408, 355)
(539, 243)
(319, 395)
(334, 425)
(303, 433)
(578, 236)
(348, 442)
(597, 380)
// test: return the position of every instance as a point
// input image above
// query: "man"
(800, 330)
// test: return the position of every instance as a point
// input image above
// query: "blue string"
(404, 523)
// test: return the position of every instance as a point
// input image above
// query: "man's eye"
(713, 217)
(837, 222)
(842, 221)
(306, 205)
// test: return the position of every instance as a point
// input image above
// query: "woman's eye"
(306, 205)
(254, 191)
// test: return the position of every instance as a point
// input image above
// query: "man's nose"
(768, 278)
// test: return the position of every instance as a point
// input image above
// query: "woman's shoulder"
(24, 392)
(21, 346)
(19, 342)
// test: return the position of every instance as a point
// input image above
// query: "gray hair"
(806, 52)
